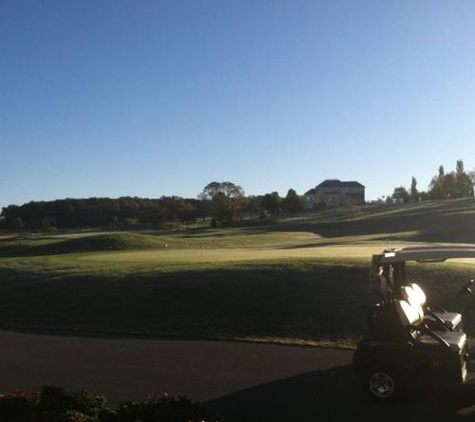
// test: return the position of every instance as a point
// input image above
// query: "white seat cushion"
(408, 314)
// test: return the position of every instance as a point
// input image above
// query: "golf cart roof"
(424, 254)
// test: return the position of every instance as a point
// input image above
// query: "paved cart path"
(124, 368)
(238, 382)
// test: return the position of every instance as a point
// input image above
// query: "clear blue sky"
(150, 98)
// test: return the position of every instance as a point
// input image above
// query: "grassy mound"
(112, 242)
(93, 243)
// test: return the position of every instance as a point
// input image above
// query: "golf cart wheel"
(383, 385)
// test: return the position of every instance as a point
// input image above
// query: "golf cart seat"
(416, 297)
(412, 322)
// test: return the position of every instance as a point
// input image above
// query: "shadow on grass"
(284, 301)
(300, 300)
(426, 228)
(335, 395)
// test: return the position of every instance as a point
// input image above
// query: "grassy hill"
(431, 221)
(298, 280)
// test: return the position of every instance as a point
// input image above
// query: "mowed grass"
(274, 299)
(219, 256)
(298, 280)
(251, 291)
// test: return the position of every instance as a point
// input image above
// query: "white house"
(334, 193)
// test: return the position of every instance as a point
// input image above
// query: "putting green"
(231, 255)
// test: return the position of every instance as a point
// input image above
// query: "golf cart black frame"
(403, 349)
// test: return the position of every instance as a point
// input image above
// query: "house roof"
(335, 183)
(311, 192)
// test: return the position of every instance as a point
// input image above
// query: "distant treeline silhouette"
(101, 212)
(223, 202)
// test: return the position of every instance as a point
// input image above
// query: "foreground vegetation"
(53, 404)
(300, 281)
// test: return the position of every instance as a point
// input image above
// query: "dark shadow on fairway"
(335, 395)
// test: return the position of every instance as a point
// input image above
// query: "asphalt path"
(236, 381)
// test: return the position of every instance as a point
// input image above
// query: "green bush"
(90, 404)
(165, 409)
(76, 416)
(53, 404)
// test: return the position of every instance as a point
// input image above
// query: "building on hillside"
(310, 200)
(334, 193)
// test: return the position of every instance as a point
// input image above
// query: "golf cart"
(410, 343)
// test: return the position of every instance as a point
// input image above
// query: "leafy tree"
(225, 198)
(437, 185)
(203, 208)
(414, 191)
(253, 205)
(241, 207)
(293, 203)
(400, 194)
(222, 208)
(272, 202)
(463, 181)
(471, 176)
(228, 189)
(187, 213)
(457, 184)
(172, 206)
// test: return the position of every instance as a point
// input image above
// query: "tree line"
(221, 203)
(455, 184)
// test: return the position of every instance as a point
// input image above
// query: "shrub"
(90, 404)
(53, 404)
(165, 409)
(17, 406)
(76, 416)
